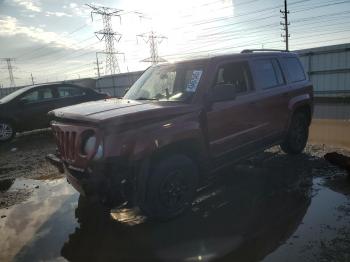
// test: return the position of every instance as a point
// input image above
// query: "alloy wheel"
(6, 131)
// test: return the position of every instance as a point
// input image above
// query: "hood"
(121, 110)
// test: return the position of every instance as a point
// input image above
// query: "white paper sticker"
(193, 84)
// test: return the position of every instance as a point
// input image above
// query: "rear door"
(71, 95)
(34, 106)
(237, 123)
(273, 92)
(295, 74)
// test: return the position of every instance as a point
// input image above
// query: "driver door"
(233, 124)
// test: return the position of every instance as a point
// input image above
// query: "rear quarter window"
(267, 73)
(69, 91)
(294, 69)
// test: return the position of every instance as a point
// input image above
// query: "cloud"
(77, 10)
(58, 14)
(9, 26)
(31, 5)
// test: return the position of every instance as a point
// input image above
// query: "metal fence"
(115, 85)
(8, 90)
(329, 69)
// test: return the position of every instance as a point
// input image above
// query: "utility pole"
(98, 66)
(153, 40)
(31, 75)
(285, 24)
(108, 35)
(10, 70)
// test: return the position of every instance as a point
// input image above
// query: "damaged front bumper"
(106, 179)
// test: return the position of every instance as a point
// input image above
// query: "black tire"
(297, 135)
(7, 131)
(171, 187)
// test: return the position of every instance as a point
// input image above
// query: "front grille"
(68, 140)
(67, 144)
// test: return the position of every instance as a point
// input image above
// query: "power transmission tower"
(153, 40)
(98, 68)
(10, 70)
(285, 24)
(108, 35)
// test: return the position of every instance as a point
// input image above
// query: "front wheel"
(171, 187)
(7, 131)
(297, 135)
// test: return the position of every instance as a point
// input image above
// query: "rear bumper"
(102, 180)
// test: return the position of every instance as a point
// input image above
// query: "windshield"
(14, 95)
(166, 83)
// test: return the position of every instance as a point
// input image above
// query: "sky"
(54, 40)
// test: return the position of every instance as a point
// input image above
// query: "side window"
(294, 69)
(69, 91)
(31, 97)
(278, 71)
(38, 95)
(268, 73)
(237, 74)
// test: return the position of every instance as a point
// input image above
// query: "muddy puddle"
(271, 208)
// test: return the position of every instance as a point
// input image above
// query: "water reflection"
(249, 215)
(249, 212)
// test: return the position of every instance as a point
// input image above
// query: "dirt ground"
(264, 187)
(25, 157)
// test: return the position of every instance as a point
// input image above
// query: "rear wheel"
(298, 134)
(7, 131)
(171, 187)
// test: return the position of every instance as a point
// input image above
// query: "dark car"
(179, 119)
(26, 109)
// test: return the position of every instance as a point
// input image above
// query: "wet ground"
(272, 207)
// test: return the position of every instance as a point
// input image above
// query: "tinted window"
(236, 74)
(38, 95)
(278, 72)
(294, 69)
(268, 73)
(69, 91)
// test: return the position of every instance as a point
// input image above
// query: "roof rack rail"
(262, 50)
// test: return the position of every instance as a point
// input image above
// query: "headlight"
(99, 152)
(89, 146)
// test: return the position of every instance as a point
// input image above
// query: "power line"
(45, 45)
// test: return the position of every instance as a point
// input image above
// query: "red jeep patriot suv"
(180, 121)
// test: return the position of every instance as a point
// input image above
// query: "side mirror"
(223, 92)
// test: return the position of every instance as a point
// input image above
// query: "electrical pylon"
(108, 35)
(153, 40)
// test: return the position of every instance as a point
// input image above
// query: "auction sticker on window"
(193, 83)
